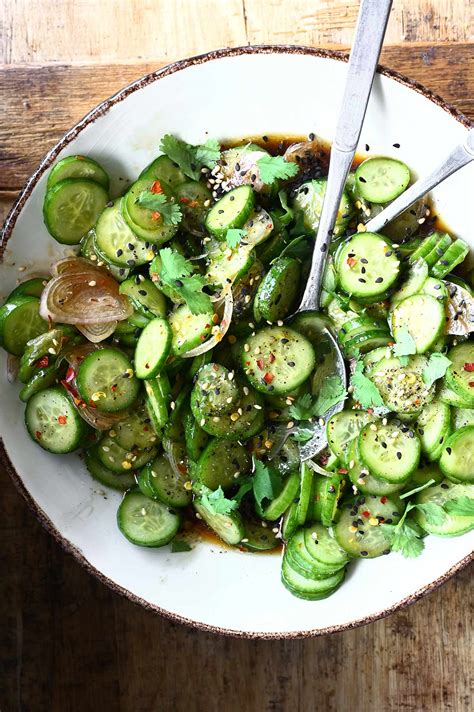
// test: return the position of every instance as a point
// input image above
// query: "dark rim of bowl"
(7, 231)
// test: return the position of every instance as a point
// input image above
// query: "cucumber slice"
(143, 482)
(435, 288)
(277, 360)
(440, 494)
(30, 288)
(71, 208)
(116, 242)
(153, 348)
(78, 167)
(145, 218)
(326, 495)
(402, 387)
(446, 395)
(163, 169)
(225, 265)
(89, 251)
(168, 484)
(259, 538)
(145, 297)
(244, 290)
(442, 244)
(433, 428)
(367, 266)
(118, 459)
(20, 322)
(359, 326)
(454, 255)
(231, 211)
(388, 452)
(196, 438)
(41, 379)
(192, 197)
(343, 427)
(308, 588)
(306, 489)
(188, 330)
(458, 377)
(280, 504)
(367, 341)
(457, 459)
(229, 527)
(373, 357)
(423, 317)
(462, 417)
(243, 423)
(309, 200)
(157, 398)
(258, 228)
(105, 379)
(53, 421)
(135, 431)
(358, 530)
(106, 477)
(416, 279)
(363, 480)
(290, 521)
(425, 248)
(222, 464)
(277, 291)
(380, 180)
(215, 391)
(425, 473)
(302, 561)
(323, 547)
(47, 344)
(146, 522)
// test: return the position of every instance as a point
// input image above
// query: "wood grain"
(64, 32)
(43, 102)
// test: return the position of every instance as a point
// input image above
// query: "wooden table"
(67, 643)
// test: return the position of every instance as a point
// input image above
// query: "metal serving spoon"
(370, 30)
(458, 158)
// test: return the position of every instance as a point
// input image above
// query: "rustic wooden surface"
(66, 641)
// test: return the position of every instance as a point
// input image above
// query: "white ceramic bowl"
(225, 94)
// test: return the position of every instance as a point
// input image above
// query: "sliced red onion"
(13, 366)
(97, 332)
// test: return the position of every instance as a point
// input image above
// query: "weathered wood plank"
(43, 102)
(121, 31)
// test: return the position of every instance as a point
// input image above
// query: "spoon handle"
(371, 25)
(459, 157)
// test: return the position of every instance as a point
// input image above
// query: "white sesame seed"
(290, 425)
(172, 405)
(257, 406)
(143, 511)
(246, 391)
(203, 422)
(92, 283)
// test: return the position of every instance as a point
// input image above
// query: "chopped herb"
(460, 507)
(179, 545)
(274, 167)
(176, 273)
(191, 159)
(436, 367)
(233, 237)
(365, 391)
(216, 502)
(266, 483)
(405, 346)
(169, 213)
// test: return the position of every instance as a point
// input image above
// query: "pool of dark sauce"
(313, 163)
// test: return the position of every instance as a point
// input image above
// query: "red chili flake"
(268, 377)
(366, 514)
(269, 226)
(182, 468)
(155, 215)
(70, 373)
(42, 362)
(62, 419)
(343, 471)
(271, 358)
(370, 411)
(383, 499)
(469, 367)
(351, 262)
(261, 363)
(113, 388)
(471, 384)
(324, 459)
(193, 204)
(156, 187)
(185, 201)
(38, 435)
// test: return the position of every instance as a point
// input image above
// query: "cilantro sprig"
(176, 273)
(233, 237)
(306, 407)
(436, 367)
(364, 390)
(272, 168)
(191, 159)
(405, 346)
(169, 212)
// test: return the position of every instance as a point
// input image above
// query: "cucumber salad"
(161, 347)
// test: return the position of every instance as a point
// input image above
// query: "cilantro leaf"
(460, 507)
(302, 408)
(365, 391)
(190, 158)
(302, 435)
(434, 513)
(169, 212)
(176, 273)
(436, 367)
(332, 392)
(266, 483)
(273, 167)
(216, 502)
(179, 545)
(233, 237)
(405, 345)
(407, 541)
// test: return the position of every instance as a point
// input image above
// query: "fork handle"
(370, 30)
(459, 157)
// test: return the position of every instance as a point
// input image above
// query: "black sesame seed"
(364, 261)
(399, 455)
(444, 486)
(231, 197)
(389, 253)
(379, 280)
(437, 286)
(445, 262)
(311, 136)
(362, 280)
(131, 263)
(119, 253)
(265, 138)
(142, 292)
(363, 270)
(364, 553)
(324, 247)
(396, 145)
(237, 167)
(448, 450)
(362, 179)
(220, 212)
(131, 246)
(178, 283)
(284, 340)
(367, 147)
(291, 363)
